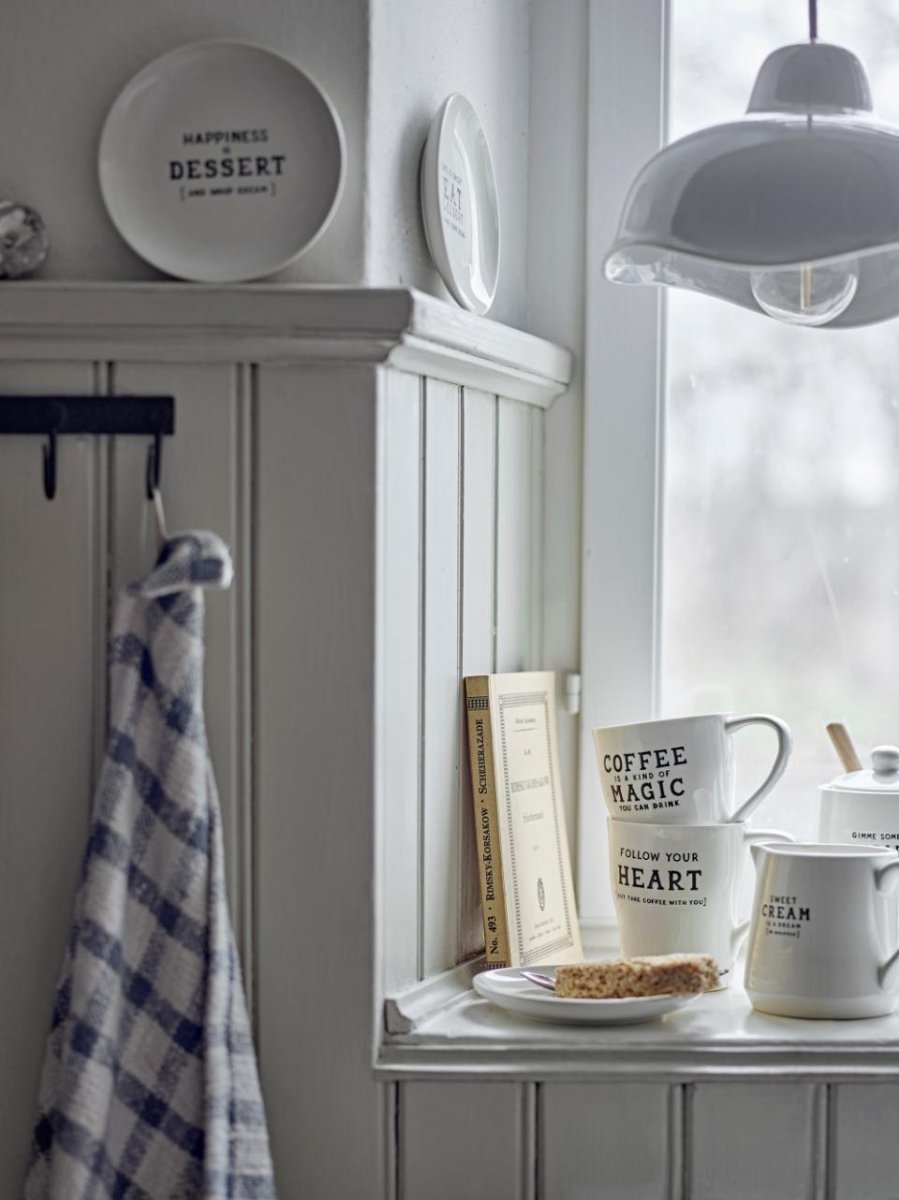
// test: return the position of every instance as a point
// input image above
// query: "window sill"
(443, 1029)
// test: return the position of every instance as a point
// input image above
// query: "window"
(741, 506)
(781, 539)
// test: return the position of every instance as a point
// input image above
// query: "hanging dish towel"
(150, 1089)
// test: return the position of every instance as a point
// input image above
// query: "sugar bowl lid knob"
(886, 761)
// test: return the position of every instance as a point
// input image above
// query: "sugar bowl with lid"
(863, 806)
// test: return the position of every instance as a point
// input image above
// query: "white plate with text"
(506, 988)
(459, 204)
(221, 161)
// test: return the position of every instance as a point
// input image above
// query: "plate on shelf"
(221, 161)
(459, 204)
(509, 990)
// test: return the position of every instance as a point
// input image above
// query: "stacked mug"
(678, 839)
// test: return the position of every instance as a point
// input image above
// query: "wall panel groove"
(515, 537)
(477, 614)
(399, 673)
(422, 690)
(315, 722)
(101, 555)
(495, 578)
(676, 1138)
(243, 522)
(441, 619)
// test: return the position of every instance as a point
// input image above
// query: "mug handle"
(784, 746)
(885, 880)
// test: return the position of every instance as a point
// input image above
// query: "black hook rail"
(54, 416)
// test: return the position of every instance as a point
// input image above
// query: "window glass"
(781, 568)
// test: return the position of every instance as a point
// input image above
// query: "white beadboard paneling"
(751, 1141)
(315, 722)
(600, 1141)
(47, 708)
(471, 1140)
(863, 1150)
(289, 479)
(202, 488)
(398, 672)
(442, 706)
(478, 601)
(516, 536)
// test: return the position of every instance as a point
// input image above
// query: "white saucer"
(506, 988)
(459, 205)
(221, 161)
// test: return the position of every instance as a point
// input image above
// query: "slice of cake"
(649, 975)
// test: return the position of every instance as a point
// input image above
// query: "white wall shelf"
(278, 323)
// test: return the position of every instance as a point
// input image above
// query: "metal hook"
(154, 470)
(154, 465)
(50, 465)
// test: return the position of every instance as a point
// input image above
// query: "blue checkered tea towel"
(150, 1089)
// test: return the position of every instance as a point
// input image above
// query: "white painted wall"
(63, 65)
(420, 53)
(386, 64)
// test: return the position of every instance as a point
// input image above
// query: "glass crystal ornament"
(23, 240)
(792, 211)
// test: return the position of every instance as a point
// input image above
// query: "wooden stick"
(842, 743)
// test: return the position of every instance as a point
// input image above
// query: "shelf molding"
(441, 1028)
(505, 1061)
(405, 1011)
(278, 324)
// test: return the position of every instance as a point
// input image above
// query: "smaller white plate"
(509, 990)
(459, 205)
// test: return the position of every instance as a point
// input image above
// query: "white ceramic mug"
(676, 887)
(680, 771)
(823, 937)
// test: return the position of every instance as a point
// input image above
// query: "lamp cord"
(812, 20)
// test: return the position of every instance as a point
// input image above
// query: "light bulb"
(807, 294)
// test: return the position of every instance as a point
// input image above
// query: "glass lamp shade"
(792, 211)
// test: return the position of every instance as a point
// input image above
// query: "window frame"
(624, 420)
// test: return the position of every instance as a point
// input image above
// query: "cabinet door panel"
(466, 1139)
(49, 704)
(863, 1152)
(602, 1141)
(752, 1141)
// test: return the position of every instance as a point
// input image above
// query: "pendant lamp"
(792, 211)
